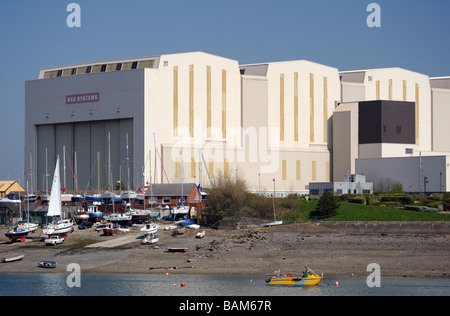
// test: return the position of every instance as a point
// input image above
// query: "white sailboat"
(57, 226)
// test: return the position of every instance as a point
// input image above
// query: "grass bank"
(354, 212)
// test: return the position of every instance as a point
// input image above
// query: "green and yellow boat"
(308, 277)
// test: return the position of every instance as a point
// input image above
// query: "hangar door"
(86, 157)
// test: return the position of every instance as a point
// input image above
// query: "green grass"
(358, 212)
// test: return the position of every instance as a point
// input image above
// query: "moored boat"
(307, 278)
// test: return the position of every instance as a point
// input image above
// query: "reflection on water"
(50, 284)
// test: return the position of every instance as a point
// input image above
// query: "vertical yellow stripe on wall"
(191, 100)
(283, 170)
(208, 101)
(177, 168)
(193, 168)
(417, 113)
(211, 168)
(378, 90)
(314, 176)
(405, 92)
(175, 101)
(296, 106)
(281, 106)
(325, 109)
(224, 103)
(390, 89)
(311, 107)
(297, 170)
(225, 168)
(327, 171)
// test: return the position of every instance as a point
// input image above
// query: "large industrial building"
(192, 117)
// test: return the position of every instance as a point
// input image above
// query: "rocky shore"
(248, 251)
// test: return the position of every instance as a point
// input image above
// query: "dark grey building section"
(385, 121)
(87, 149)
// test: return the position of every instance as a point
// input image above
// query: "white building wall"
(394, 84)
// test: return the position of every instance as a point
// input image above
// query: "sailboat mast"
(154, 170)
(128, 167)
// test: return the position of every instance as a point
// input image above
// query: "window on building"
(134, 65)
(59, 74)
(399, 129)
(103, 68)
(166, 200)
(408, 150)
(88, 69)
(119, 67)
(74, 71)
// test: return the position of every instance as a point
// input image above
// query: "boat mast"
(128, 167)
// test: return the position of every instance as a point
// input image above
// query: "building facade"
(192, 117)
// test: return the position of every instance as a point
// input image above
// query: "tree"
(228, 194)
(327, 206)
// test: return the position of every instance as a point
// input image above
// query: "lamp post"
(273, 200)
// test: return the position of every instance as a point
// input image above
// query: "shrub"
(326, 207)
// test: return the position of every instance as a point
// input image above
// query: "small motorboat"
(200, 235)
(308, 277)
(179, 231)
(150, 239)
(47, 264)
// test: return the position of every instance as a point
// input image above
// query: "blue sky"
(413, 35)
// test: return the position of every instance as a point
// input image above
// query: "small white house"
(354, 184)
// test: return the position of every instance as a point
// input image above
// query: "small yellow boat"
(308, 277)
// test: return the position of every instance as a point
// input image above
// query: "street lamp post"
(273, 200)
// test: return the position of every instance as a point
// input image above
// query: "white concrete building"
(195, 115)
(185, 100)
(292, 102)
(389, 84)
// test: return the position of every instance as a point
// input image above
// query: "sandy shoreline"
(251, 251)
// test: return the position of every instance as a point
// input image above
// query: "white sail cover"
(54, 206)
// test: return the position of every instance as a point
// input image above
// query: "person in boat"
(305, 273)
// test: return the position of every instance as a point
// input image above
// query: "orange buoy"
(183, 284)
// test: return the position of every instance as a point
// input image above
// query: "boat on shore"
(177, 249)
(308, 277)
(150, 239)
(58, 226)
(80, 215)
(150, 228)
(111, 229)
(274, 223)
(20, 231)
(94, 213)
(119, 218)
(47, 264)
(12, 259)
